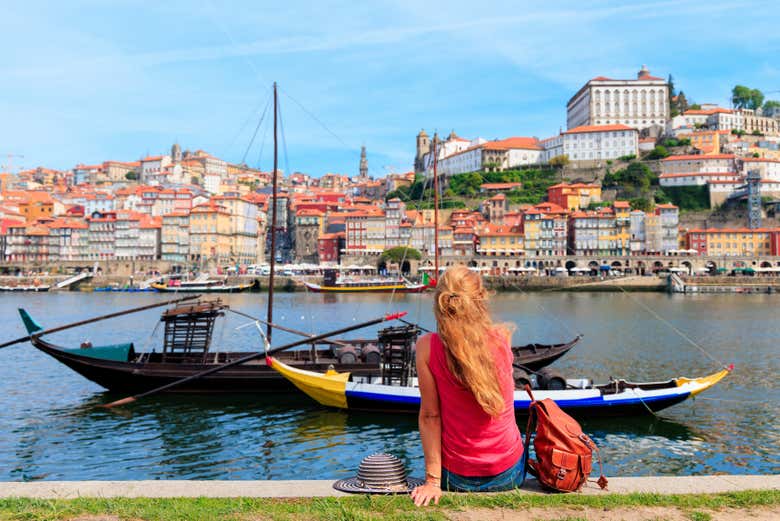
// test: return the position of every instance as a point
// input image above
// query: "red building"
(329, 246)
(697, 240)
(774, 242)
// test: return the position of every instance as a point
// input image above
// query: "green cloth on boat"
(115, 352)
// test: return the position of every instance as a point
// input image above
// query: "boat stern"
(29, 322)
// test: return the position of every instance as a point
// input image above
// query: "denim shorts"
(511, 478)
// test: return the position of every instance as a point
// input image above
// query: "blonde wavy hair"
(465, 328)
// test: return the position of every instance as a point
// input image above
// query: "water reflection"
(50, 427)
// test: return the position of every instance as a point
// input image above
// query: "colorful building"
(577, 196)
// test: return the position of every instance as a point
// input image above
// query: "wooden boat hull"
(253, 377)
(350, 392)
(134, 377)
(389, 288)
(129, 372)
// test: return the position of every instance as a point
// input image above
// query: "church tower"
(423, 148)
(363, 164)
(176, 153)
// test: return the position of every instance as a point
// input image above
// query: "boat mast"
(270, 314)
(435, 211)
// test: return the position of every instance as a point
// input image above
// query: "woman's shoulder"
(424, 342)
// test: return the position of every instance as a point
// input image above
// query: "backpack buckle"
(561, 474)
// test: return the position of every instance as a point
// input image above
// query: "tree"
(682, 102)
(770, 104)
(641, 203)
(659, 152)
(746, 98)
(399, 254)
(131, 176)
(560, 161)
(695, 106)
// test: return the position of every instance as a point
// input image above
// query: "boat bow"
(697, 385)
(329, 388)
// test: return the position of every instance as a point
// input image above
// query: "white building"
(152, 167)
(768, 168)
(725, 119)
(496, 155)
(639, 103)
(592, 144)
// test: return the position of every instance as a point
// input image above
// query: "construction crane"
(9, 165)
(754, 199)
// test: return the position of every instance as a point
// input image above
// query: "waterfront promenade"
(324, 488)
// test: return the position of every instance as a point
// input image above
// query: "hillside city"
(639, 170)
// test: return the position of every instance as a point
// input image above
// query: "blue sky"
(89, 80)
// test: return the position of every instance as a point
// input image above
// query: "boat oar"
(252, 356)
(96, 319)
(287, 329)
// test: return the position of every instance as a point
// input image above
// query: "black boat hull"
(252, 377)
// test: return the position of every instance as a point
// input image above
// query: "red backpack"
(563, 452)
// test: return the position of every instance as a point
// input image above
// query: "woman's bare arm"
(430, 427)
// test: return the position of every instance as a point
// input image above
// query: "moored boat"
(33, 288)
(187, 351)
(335, 283)
(581, 398)
(200, 286)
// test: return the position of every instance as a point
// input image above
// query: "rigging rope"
(672, 327)
(254, 135)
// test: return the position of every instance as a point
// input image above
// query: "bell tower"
(423, 148)
(363, 164)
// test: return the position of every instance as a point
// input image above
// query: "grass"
(362, 507)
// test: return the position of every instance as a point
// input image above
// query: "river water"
(50, 428)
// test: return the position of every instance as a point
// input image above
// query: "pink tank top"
(472, 443)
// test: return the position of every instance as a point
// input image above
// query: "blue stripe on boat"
(596, 401)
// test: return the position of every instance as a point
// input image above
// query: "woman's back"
(472, 442)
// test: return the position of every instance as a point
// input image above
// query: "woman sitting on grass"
(467, 419)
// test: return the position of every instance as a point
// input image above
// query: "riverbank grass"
(699, 507)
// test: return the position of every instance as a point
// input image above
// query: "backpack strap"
(602, 482)
(530, 465)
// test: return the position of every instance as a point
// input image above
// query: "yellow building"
(243, 228)
(574, 196)
(622, 236)
(500, 240)
(732, 242)
(706, 141)
(210, 234)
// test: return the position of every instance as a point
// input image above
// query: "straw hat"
(379, 474)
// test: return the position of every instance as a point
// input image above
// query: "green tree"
(695, 106)
(661, 197)
(131, 176)
(746, 98)
(641, 203)
(682, 102)
(659, 152)
(770, 104)
(399, 254)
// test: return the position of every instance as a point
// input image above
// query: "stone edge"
(324, 488)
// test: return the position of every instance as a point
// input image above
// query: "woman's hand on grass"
(425, 493)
